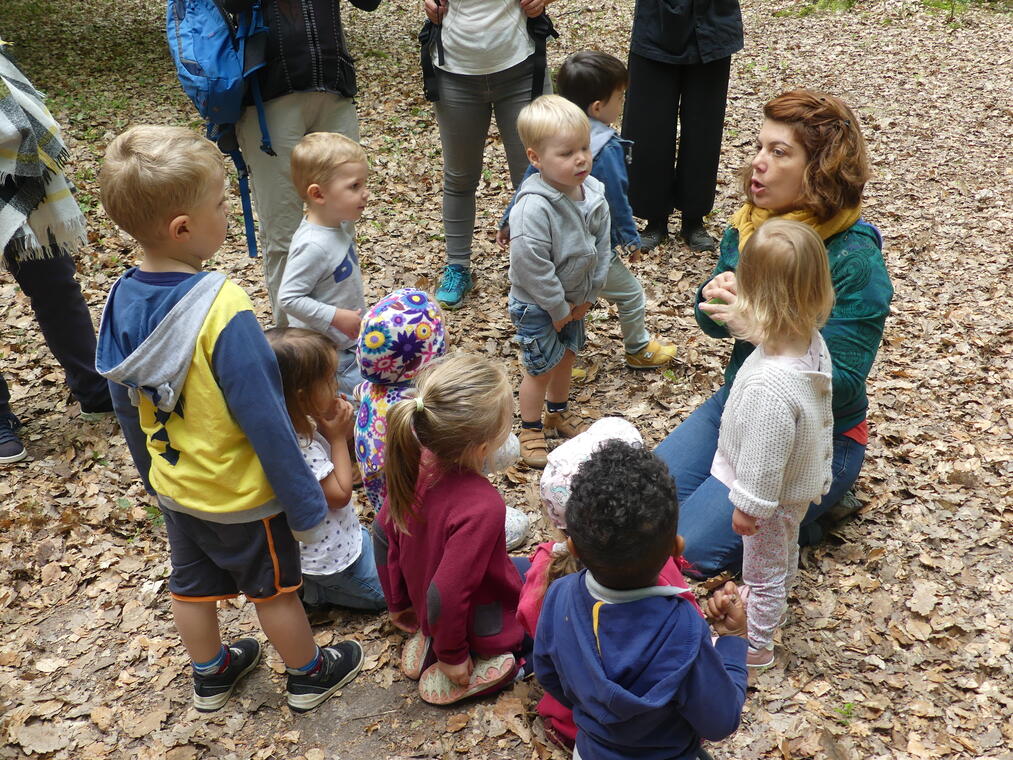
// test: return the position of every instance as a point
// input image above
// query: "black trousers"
(670, 105)
(66, 326)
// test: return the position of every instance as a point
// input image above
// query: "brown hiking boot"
(534, 449)
(566, 424)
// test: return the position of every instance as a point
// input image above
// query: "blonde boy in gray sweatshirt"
(559, 259)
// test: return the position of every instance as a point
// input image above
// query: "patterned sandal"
(413, 655)
(488, 675)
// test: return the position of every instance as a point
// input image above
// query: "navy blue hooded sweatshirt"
(638, 669)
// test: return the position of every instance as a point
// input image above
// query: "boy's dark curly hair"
(623, 515)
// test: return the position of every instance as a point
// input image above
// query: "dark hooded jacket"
(306, 47)
(686, 31)
(638, 669)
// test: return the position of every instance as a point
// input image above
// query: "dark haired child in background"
(633, 659)
(596, 83)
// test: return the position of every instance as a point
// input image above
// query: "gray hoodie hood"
(159, 365)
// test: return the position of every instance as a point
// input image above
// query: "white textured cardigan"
(777, 433)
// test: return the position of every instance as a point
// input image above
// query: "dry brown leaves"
(899, 640)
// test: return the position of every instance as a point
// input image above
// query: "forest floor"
(899, 644)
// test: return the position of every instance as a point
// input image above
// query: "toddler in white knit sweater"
(775, 446)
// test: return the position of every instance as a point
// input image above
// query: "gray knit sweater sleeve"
(767, 428)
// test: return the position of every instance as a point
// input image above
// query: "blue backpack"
(216, 54)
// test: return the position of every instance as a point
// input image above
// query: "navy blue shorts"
(212, 561)
(542, 347)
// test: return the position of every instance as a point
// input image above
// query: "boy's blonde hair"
(548, 116)
(783, 278)
(317, 157)
(152, 174)
(463, 401)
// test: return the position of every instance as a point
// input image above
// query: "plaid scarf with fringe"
(39, 217)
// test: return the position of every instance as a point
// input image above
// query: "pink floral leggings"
(769, 567)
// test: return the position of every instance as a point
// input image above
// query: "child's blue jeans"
(356, 587)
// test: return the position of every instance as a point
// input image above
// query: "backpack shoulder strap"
(540, 28)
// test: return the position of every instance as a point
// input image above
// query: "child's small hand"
(743, 524)
(339, 425)
(557, 326)
(503, 237)
(406, 620)
(458, 674)
(347, 321)
(579, 312)
(725, 611)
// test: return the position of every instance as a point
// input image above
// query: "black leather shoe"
(654, 234)
(696, 237)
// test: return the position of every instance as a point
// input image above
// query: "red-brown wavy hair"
(838, 165)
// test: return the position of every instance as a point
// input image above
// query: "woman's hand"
(743, 524)
(458, 674)
(435, 11)
(533, 8)
(406, 620)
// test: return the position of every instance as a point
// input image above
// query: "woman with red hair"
(811, 166)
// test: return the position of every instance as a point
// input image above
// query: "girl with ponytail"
(439, 539)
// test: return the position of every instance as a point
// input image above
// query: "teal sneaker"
(454, 287)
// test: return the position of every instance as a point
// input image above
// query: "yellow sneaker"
(654, 355)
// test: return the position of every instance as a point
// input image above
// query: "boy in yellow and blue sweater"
(198, 395)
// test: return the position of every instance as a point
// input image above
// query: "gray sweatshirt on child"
(559, 249)
(322, 275)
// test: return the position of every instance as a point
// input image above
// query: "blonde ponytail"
(463, 401)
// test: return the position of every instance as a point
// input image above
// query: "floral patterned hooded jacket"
(400, 335)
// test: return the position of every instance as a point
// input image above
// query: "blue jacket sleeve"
(505, 219)
(545, 667)
(714, 690)
(247, 373)
(130, 424)
(610, 168)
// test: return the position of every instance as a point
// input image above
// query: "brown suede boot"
(534, 449)
(566, 424)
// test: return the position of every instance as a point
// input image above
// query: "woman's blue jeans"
(705, 511)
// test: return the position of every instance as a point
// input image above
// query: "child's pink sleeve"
(670, 575)
(529, 607)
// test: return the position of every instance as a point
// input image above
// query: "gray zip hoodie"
(559, 250)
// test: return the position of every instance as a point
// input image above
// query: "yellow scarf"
(749, 217)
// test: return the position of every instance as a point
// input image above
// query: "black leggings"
(66, 325)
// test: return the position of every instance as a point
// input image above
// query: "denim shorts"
(542, 348)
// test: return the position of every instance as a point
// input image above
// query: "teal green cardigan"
(855, 328)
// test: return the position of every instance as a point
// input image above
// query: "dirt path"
(899, 644)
